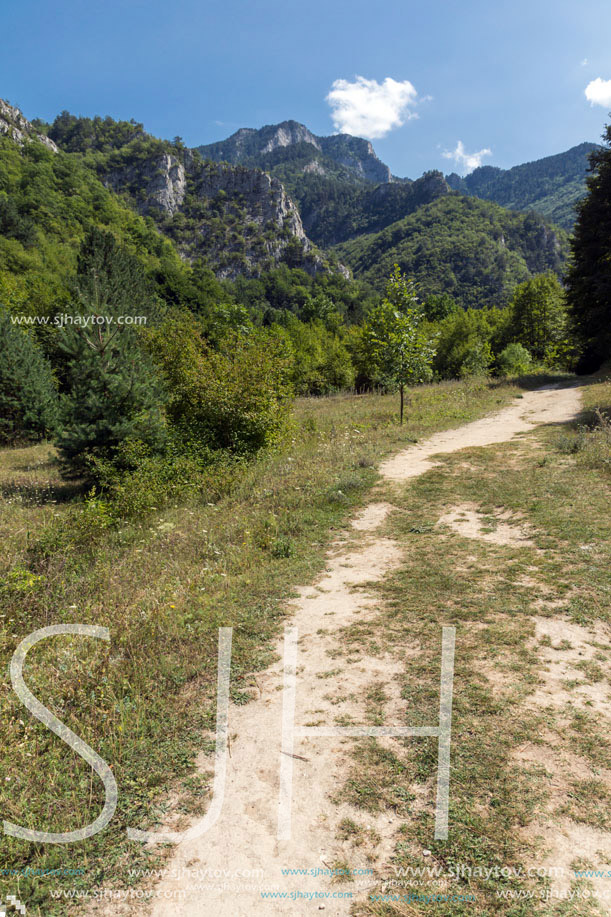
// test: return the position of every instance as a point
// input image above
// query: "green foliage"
(401, 350)
(109, 280)
(335, 208)
(439, 306)
(538, 316)
(78, 135)
(49, 202)
(514, 360)
(321, 361)
(28, 394)
(111, 394)
(138, 481)
(465, 341)
(472, 250)
(233, 398)
(589, 278)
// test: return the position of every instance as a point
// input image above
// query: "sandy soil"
(241, 852)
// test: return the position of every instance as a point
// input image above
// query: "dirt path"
(222, 872)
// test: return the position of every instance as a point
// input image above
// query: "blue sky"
(506, 78)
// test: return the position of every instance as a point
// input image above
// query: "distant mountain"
(333, 211)
(291, 141)
(282, 196)
(341, 187)
(238, 220)
(331, 179)
(551, 186)
(474, 250)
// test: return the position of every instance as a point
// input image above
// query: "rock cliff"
(240, 221)
(14, 125)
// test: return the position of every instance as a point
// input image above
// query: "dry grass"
(163, 586)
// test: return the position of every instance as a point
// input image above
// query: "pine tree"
(589, 278)
(112, 395)
(28, 394)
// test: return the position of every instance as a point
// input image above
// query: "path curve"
(202, 877)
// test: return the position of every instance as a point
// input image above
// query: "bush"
(321, 362)
(28, 394)
(514, 360)
(153, 480)
(233, 398)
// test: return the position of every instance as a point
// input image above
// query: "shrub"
(152, 480)
(233, 398)
(514, 360)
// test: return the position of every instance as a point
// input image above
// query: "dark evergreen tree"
(589, 277)
(112, 394)
(28, 394)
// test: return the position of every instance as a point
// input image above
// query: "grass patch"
(163, 584)
(494, 594)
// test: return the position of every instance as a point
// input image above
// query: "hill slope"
(474, 250)
(238, 220)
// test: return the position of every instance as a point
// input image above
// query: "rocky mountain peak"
(250, 146)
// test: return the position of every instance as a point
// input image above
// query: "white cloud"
(466, 162)
(366, 108)
(598, 92)
(585, 62)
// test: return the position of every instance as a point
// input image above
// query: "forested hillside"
(237, 219)
(551, 186)
(472, 250)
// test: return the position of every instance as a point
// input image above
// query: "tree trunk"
(401, 390)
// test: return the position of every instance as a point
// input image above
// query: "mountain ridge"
(355, 154)
(551, 185)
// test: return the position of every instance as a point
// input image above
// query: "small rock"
(426, 853)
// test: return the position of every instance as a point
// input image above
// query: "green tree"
(111, 392)
(28, 394)
(400, 349)
(589, 277)
(464, 344)
(438, 306)
(538, 315)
